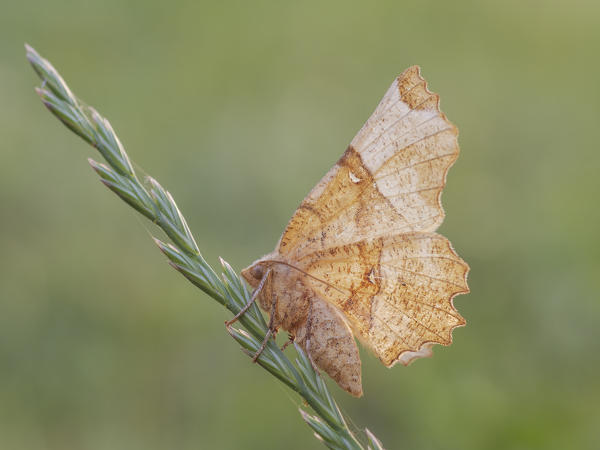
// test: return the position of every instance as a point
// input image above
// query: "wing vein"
(385, 131)
(444, 155)
(395, 333)
(418, 323)
(436, 308)
(398, 194)
(401, 269)
(391, 105)
(431, 256)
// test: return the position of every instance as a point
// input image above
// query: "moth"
(360, 256)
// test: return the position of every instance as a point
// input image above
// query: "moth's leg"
(262, 346)
(290, 340)
(310, 358)
(270, 332)
(255, 294)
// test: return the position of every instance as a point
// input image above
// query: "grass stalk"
(156, 204)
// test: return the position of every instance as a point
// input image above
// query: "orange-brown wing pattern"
(364, 234)
(396, 292)
(389, 180)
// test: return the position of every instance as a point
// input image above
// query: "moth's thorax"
(285, 286)
(291, 294)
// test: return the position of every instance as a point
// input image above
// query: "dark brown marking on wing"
(366, 213)
(311, 209)
(358, 304)
(408, 79)
(371, 316)
(351, 183)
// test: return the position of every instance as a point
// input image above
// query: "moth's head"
(255, 273)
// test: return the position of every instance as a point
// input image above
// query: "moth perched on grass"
(316, 283)
(360, 257)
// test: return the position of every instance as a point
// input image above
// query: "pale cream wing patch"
(389, 180)
(396, 292)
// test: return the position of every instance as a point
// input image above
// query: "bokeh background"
(238, 108)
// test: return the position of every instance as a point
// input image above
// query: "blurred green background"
(238, 108)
